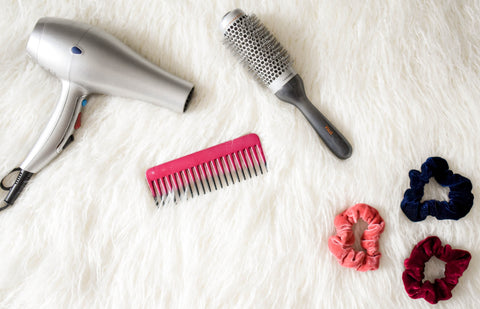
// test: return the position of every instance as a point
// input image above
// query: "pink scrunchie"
(341, 245)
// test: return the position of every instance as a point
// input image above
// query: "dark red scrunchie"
(457, 262)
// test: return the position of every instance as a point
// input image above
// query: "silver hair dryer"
(88, 60)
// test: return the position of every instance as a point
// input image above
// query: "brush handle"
(294, 92)
(334, 140)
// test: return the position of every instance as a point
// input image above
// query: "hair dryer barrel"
(115, 69)
(100, 63)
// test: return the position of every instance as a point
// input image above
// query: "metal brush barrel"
(229, 18)
(258, 49)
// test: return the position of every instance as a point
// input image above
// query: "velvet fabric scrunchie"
(341, 245)
(457, 262)
(460, 195)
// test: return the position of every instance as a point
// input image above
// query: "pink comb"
(207, 170)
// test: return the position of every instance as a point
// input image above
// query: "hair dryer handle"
(59, 128)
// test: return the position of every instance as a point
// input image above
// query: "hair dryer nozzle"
(34, 40)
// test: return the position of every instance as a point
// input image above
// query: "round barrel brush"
(259, 50)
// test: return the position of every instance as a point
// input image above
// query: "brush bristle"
(257, 48)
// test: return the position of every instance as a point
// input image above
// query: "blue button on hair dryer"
(88, 60)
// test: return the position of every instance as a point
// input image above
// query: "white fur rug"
(400, 79)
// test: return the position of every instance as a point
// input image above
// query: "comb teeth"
(257, 48)
(207, 170)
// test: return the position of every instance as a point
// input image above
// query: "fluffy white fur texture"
(400, 79)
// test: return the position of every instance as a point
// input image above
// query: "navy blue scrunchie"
(460, 195)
